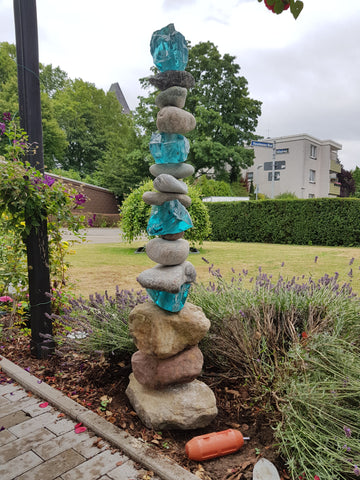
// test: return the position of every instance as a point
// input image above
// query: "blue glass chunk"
(168, 49)
(169, 147)
(172, 302)
(170, 217)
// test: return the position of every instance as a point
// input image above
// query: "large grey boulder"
(164, 334)
(185, 407)
(166, 183)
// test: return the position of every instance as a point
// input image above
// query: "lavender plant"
(100, 324)
(255, 321)
(319, 433)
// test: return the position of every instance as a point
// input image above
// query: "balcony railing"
(335, 166)
(334, 189)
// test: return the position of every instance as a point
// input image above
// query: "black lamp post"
(30, 119)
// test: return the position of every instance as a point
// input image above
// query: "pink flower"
(316, 477)
(6, 298)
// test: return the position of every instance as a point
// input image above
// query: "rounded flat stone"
(168, 184)
(172, 78)
(157, 198)
(175, 120)
(173, 236)
(174, 96)
(167, 253)
(177, 170)
(167, 278)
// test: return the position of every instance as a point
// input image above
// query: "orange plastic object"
(212, 445)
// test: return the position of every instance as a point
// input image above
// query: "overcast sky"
(305, 71)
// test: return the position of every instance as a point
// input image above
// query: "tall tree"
(94, 125)
(347, 181)
(54, 139)
(225, 114)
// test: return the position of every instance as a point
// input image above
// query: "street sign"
(255, 143)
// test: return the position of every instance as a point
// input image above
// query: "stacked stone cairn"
(163, 389)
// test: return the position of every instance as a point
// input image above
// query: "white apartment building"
(299, 164)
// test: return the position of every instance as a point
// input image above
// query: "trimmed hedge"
(319, 221)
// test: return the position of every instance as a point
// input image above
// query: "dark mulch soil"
(90, 381)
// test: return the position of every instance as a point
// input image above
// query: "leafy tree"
(356, 176)
(347, 188)
(52, 79)
(226, 116)
(94, 126)
(54, 140)
(209, 187)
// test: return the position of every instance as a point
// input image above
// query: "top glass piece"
(168, 49)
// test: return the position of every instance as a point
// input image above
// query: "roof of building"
(115, 87)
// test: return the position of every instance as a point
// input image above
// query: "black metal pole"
(27, 52)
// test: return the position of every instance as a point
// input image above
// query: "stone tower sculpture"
(163, 388)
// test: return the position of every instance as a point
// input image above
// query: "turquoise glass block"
(170, 217)
(169, 147)
(172, 302)
(168, 49)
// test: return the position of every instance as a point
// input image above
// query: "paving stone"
(99, 465)
(11, 407)
(34, 409)
(6, 437)
(59, 444)
(13, 419)
(62, 426)
(19, 465)
(8, 388)
(24, 444)
(91, 447)
(50, 469)
(33, 424)
(16, 395)
(127, 470)
(3, 401)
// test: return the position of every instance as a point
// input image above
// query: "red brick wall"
(99, 200)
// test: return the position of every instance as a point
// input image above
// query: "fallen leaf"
(43, 405)
(80, 430)
(119, 463)
(61, 415)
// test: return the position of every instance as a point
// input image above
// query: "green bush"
(320, 221)
(213, 188)
(135, 214)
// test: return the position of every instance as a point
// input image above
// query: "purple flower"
(7, 116)
(347, 432)
(242, 313)
(91, 220)
(351, 261)
(49, 181)
(2, 128)
(356, 470)
(80, 199)
(316, 259)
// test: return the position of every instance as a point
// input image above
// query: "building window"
(312, 176)
(276, 176)
(313, 151)
(250, 176)
(311, 195)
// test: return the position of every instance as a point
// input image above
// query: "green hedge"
(319, 221)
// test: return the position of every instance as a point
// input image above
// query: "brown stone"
(171, 78)
(164, 334)
(173, 236)
(156, 373)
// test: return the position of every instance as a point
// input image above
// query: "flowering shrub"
(27, 198)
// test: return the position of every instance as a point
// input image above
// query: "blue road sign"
(255, 143)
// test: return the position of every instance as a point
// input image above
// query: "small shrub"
(135, 214)
(100, 324)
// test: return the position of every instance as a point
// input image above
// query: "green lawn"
(100, 267)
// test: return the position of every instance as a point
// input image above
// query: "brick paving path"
(40, 443)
